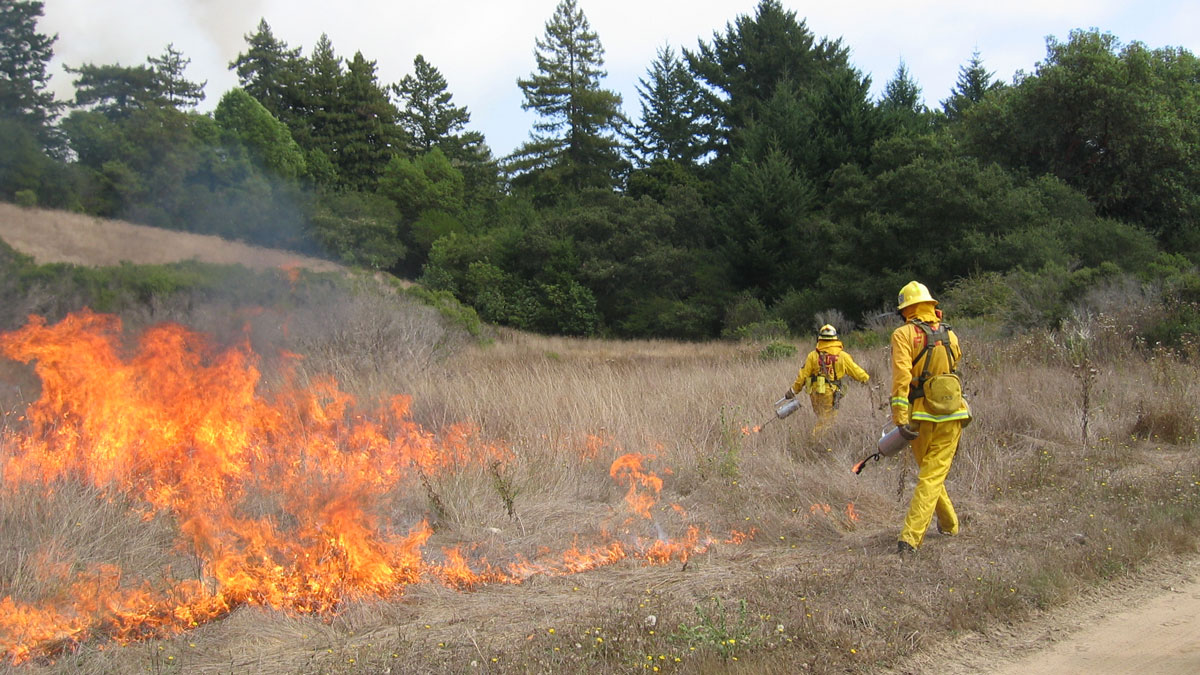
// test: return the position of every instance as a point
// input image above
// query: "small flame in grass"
(739, 537)
(628, 469)
(292, 271)
(851, 513)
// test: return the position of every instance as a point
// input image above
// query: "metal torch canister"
(891, 442)
(786, 406)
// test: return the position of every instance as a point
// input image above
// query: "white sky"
(483, 46)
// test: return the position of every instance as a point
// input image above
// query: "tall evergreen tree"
(902, 93)
(369, 135)
(176, 90)
(574, 142)
(744, 66)
(24, 56)
(427, 112)
(673, 122)
(431, 120)
(901, 104)
(115, 90)
(323, 116)
(974, 81)
(272, 73)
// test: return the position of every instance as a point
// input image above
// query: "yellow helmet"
(912, 293)
(827, 332)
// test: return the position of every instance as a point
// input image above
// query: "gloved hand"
(789, 394)
(900, 415)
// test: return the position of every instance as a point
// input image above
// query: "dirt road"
(1148, 625)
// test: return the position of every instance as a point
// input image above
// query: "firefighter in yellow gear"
(822, 374)
(924, 347)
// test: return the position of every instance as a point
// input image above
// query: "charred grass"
(1048, 508)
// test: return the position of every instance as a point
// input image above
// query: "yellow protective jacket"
(907, 342)
(844, 365)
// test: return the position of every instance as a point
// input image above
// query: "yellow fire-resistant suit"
(822, 393)
(938, 437)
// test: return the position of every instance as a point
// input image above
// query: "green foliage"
(986, 294)
(574, 143)
(674, 123)
(717, 628)
(23, 164)
(268, 139)
(25, 198)
(744, 310)
(175, 90)
(777, 351)
(974, 82)
(428, 113)
(450, 308)
(25, 98)
(1119, 123)
(271, 72)
(901, 104)
(359, 228)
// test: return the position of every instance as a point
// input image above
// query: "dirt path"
(1146, 624)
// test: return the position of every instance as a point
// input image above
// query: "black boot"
(904, 549)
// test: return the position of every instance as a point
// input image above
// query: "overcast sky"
(483, 46)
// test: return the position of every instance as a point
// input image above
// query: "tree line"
(761, 184)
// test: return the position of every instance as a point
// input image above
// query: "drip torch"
(783, 408)
(889, 443)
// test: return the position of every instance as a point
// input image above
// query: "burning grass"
(543, 504)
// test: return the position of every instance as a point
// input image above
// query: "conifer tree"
(24, 56)
(368, 134)
(272, 73)
(115, 90)
(756, 54)
(901, 104)
(574, 142)
(673, 121)
(974, 81)
(175, 90)
(427, 112)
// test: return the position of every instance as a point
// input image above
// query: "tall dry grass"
(817, 589)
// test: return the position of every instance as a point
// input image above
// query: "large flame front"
(180, 429)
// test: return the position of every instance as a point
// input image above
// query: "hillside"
(60, 236)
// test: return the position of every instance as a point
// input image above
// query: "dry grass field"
(59, 236)
(549, 504)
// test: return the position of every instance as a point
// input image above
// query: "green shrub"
(743, 311)
(986, 295)
(759, 331)
(25, 198)
(776, 351)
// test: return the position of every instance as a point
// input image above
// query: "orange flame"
(851, 513)
(628, 468)
(276, 496)
(292, 271)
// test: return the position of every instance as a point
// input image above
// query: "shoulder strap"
(932, 337)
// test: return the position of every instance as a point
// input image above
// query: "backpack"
(942, 393)
(826, 377)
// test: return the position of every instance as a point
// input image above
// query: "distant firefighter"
(822, 374)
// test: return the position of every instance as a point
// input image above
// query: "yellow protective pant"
(822, 405)
(934, 450)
